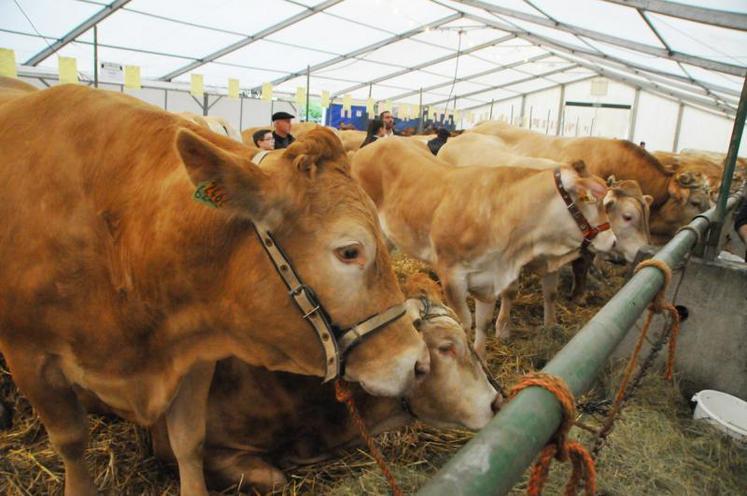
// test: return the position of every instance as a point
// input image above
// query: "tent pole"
(96, 55)
(308, 81)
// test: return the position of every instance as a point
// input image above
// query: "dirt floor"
(655, 449)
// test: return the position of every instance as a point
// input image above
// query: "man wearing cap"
(281, 122)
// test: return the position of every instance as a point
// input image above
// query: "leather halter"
(432, 311)
(260, 156)
(335, 341)
(587, 230)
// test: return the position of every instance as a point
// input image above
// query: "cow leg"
(483, 317)
(581, 268)
(225, 468)
(185, 422)
(550, 296)
(42, 381)
(503, 322)
(455, 289)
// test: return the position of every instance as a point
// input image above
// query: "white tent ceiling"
(463, 53)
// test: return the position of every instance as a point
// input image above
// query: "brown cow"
(11, 88)
(115, 281)
(479, 226)
(675, 195)
(256, 416)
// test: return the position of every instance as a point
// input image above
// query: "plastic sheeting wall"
(655, 123)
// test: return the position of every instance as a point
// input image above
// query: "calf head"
(682, 205)
(629, 212)
(456, 391)
(329, 230)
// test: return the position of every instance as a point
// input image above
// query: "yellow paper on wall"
(197, 86)
(402, 111)
(457, 116)
(370, 106)
(300, 95)
(416, 111)
(68, 70)
(386, 106)
(233, 89)
(132, 76)
(347, 102)
(325, 99)
(267, 92)
(8, 63)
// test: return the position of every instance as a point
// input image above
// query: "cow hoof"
(6, 417)
(503, 331)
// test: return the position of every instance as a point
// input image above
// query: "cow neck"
(589, 232)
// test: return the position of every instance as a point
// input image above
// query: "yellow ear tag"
(210, 194)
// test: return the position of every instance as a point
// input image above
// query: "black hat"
(277, 116)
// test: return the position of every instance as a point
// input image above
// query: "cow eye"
(447, 349)
(349, 253)
(627, 217)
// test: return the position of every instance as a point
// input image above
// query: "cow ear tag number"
(210, 194)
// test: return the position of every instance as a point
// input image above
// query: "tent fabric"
(462, 53)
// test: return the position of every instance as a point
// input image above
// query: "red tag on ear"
(211, 194)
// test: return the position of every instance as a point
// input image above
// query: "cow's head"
(329, 230)
(456, 391)
(682, 205)
(629, 212)
(587, 192)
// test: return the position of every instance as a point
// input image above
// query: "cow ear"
(609, 199)
(611, 180)
(589, 189)
(648, 199)
(580, 167)
(219, 179)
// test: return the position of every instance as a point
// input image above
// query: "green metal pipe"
(493, 461)
(731, 156)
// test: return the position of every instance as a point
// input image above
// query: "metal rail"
(495, 459)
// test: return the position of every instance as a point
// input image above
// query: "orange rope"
(561, 449)
(344, 395)
(658, 305)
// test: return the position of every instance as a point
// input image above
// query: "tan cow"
(114, 280)
(351, 140)
(11, 88)
(479, 226)
(628, 210)
(675, 195)
(214, 123)
(256, 416)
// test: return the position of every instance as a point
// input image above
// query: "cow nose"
(614, 243)
(423, 365)
(497, 403)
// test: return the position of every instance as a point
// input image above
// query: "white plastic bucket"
(726, 412)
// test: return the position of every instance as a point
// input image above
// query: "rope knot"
(559, 448)
(660, 305)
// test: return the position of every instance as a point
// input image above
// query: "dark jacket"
(435, 145)
(281, 142)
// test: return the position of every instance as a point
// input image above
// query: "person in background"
(434, 145)
(376, 130)
(642, 144)
(264, 139)
(740, 224)
(281, 123)
(388, 120)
